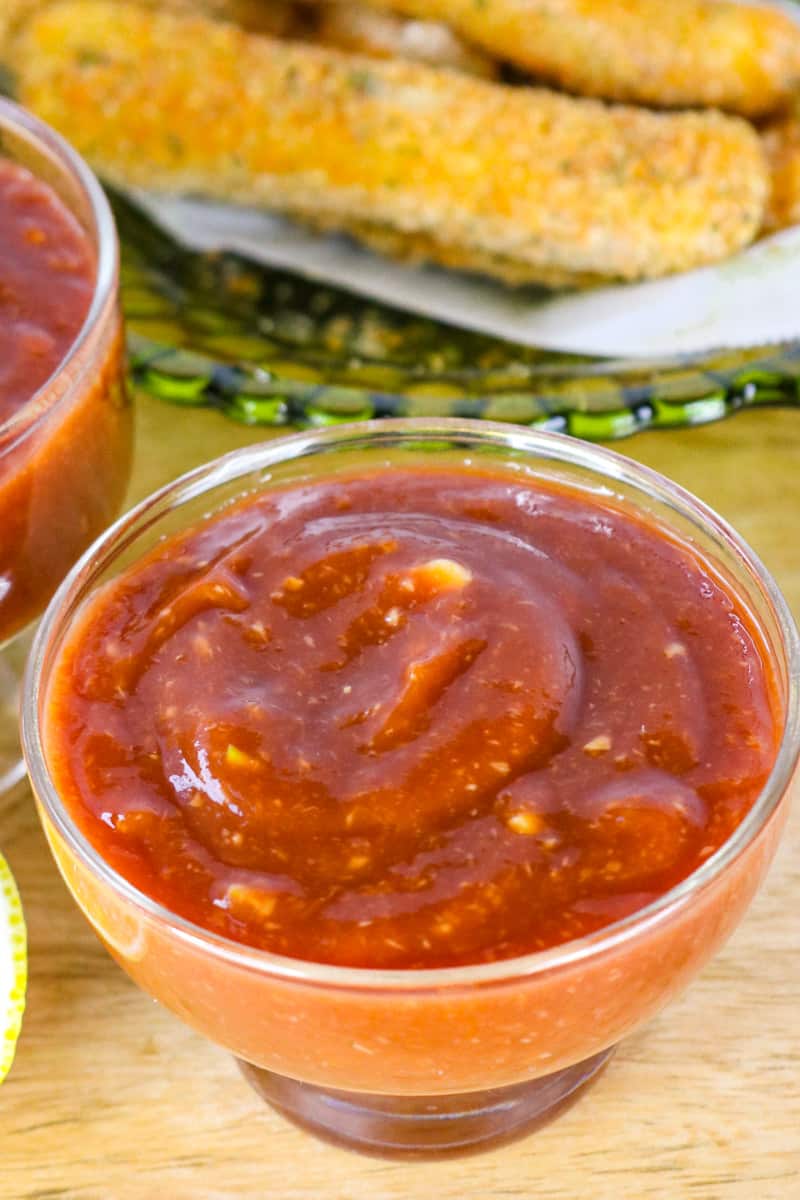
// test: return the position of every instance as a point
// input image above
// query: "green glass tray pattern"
(268, 347)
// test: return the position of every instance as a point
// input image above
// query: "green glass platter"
(268, 347)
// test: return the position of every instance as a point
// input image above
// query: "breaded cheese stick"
(744, 58)
(182, 104)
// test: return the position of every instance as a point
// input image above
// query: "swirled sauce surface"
(412, 718)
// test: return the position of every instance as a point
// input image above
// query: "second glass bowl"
(65, 455)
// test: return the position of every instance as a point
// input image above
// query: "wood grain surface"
(112, 1098)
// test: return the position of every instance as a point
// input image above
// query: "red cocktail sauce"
(419, 717)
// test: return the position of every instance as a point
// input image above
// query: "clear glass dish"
(65, 455)
(420, 1061)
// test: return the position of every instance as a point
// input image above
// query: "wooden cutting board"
(112, 1098)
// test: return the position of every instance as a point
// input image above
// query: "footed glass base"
(13, 656)
(424, 1125)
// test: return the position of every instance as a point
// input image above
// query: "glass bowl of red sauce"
(415, 763)
(65, 423)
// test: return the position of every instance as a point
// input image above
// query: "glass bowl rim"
(609, 466)
(33, 410)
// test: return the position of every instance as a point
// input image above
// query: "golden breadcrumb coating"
(744, 58)
(558, 185)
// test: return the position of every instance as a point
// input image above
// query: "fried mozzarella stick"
(666, 53)
(564, 187)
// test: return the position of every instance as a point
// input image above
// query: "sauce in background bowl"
(65, 420)
(46, 284)
(413, 1059)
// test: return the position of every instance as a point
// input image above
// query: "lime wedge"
(13, 967)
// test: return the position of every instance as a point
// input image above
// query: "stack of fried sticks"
(562, 142)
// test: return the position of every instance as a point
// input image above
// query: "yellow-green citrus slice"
(13, 967)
